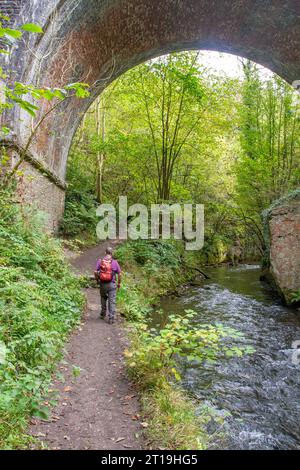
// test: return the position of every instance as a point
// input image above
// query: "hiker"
(107, 269)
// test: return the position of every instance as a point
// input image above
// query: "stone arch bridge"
(97, 40)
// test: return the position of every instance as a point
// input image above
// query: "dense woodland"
(174, 130)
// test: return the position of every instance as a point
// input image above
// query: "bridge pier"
(39, 189)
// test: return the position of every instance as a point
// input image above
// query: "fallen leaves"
(129, 397)
(135, 417)
(55, 418)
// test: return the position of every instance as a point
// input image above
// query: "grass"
(172, 418)
(168, 413)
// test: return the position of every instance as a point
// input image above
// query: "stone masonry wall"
(44, 197)
(283, 224)
(36, 191)
(10, 8)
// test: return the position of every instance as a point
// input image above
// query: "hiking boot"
(111, 321)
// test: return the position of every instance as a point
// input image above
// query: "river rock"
(282, 233)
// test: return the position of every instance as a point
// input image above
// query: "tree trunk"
(100, 129)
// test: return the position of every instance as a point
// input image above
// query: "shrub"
(40, 303)
(153, 268)
(152, 362)
(156, 252)
(296, 297)
(80, 214)
(157, 351)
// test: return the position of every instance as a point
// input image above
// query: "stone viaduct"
(97, 40)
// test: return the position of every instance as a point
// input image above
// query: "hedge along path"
(98, 409)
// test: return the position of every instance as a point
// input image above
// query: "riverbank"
(258, 394)
(88, 401)
(101, 408)
(169, 416)
(77, 398)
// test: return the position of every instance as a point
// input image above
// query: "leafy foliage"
(155, 352)
(172, 129)
(40, 304)
(269, 164)
(159, 252)
(296, 297)
(80, 214)
(152, 268)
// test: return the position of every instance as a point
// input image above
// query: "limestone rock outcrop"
(282, 228)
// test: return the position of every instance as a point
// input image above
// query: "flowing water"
(258, 395)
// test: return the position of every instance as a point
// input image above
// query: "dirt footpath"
(99, 408)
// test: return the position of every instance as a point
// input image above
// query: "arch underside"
(98, 40)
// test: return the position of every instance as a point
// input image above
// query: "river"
(258, 395)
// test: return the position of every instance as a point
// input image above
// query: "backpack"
(105, 272)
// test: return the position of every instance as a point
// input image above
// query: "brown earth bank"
(98, 409)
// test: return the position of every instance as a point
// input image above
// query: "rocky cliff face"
(282, 223)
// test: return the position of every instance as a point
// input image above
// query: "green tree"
(27, 97)
(269, 165)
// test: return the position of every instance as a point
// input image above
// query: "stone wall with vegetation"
(282, 228)
(38, 192)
